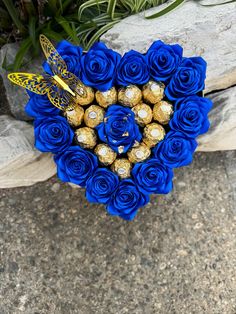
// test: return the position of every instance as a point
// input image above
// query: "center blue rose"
(119, 129)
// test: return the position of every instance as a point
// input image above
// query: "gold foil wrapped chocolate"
(88, 99)
(75, 116)
(105, 154)
(139, 153)
(107, 98)
(162, 112)
(86, 137)
(153, 133)
(143, 114)
(153, 92)
(130, 95)
(122, 167)
(93, 116)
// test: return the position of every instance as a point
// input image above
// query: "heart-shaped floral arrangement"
(138, 121)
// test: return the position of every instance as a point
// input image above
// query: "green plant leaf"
(32, 31)
(87, 4)
(99, 33)
(111, 8)
(166, 10)
(68, 29)
(25, 46)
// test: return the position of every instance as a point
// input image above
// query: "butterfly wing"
(35, 83)
(60, 98)
(55, 61)
(75, 84)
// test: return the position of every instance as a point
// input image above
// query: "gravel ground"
(60, 254)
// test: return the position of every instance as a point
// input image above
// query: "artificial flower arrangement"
(117, 126)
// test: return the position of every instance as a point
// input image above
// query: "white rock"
(222, 133)
(16, 96)
(20, 163)
(205, 31)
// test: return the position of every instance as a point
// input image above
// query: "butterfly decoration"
(63, 88)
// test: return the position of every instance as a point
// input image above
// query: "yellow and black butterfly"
(62, 88)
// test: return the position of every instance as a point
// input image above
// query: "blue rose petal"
(76, 165)
(119, 128)
(163, 60)
(101, 186)
(52, 134)
(126, 200)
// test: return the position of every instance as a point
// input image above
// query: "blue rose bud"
(175, 150)
(188, 79)
(76, 165)
(40, 105)
(101, 186)
(190, 116)
(163, 60)
(99, 67)
(153, 176)
(126, 200)
(52, 134)
(132, 69)
(119, 129)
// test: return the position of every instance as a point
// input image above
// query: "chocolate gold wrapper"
(88, 99)
(153, 133)
(153, 92)
(143, 114)
(139, 153)
(130, 95)
(162, 112)
(122, 167)
(107, 98)
(105, 154)
(86, 137)
(93, 116)
(75, 116)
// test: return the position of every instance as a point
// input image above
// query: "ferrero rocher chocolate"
(93, 116)
(130, 95)
(153, 133)
(162, 112)
(86, 137)
(88, 99)
(105, 154)
(153, 92)
(107, 98)
(75, 116)
(143, 114)
(139, 153)
(122, 167)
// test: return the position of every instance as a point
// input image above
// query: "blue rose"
(188, 79)
(153, 176)
(52, 134)
(119, 129)
(132, 69)
(101, 186)
(163, 60)
(76, 165)
(126, 200)
(175, 150)
(71, 55)
(39, 105)
(190, 116)
(99, 67)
